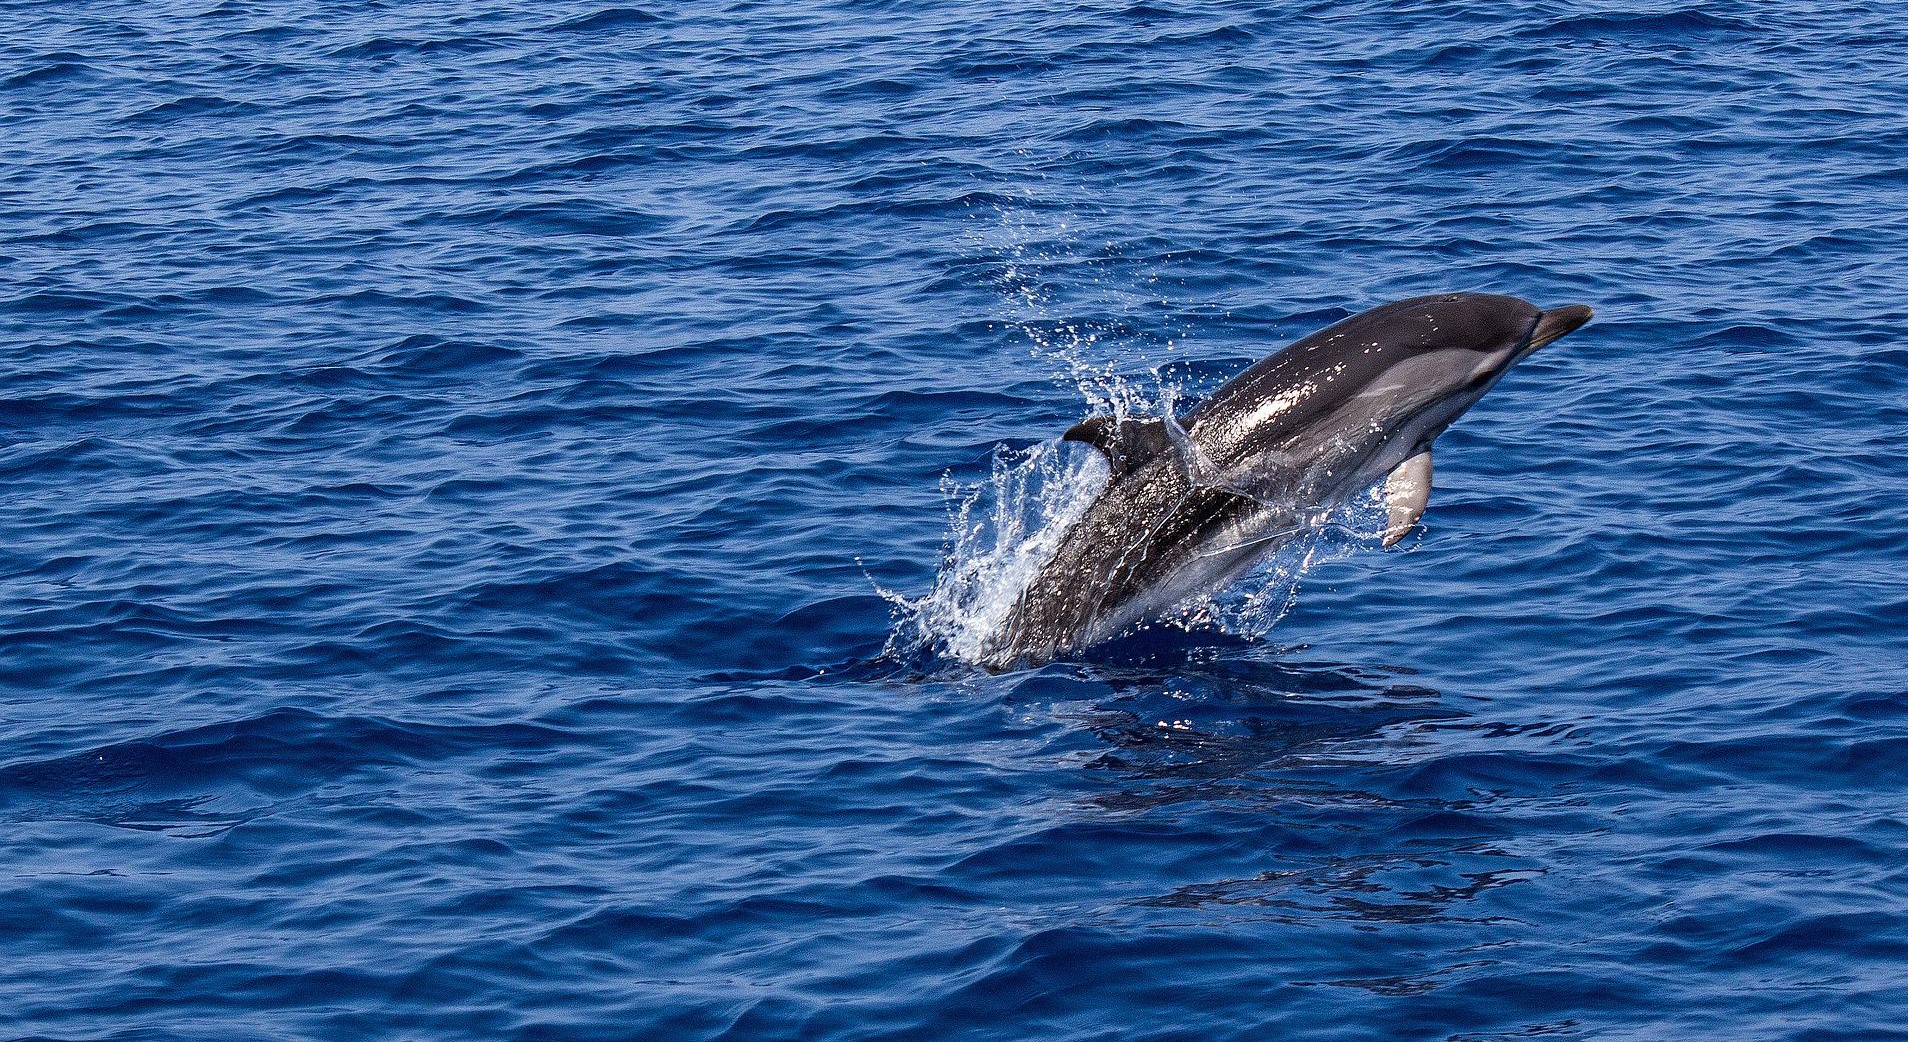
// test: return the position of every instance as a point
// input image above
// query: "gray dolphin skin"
(1195, 502)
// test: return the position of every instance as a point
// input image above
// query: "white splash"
(1000, 532)
(1080, 303)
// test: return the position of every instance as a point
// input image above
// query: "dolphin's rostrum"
(1195, 501)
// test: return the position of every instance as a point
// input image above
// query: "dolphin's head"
(1501, 330)
(1380, 383)
(1432, 358)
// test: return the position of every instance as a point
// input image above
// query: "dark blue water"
(454, 458)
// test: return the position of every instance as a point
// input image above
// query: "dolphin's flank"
(1194, 501)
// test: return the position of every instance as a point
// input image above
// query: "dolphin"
(1192, 503)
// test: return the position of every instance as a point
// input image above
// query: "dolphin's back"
(1318, 375)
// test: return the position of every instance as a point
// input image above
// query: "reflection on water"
(1390, 889)
(1196, 718)
(1320, 764)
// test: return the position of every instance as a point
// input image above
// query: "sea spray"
(1000, 532)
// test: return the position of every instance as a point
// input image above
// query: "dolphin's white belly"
(1213, 564)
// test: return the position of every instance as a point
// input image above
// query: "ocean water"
(482, 485)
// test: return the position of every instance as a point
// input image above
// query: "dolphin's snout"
(1558, 323)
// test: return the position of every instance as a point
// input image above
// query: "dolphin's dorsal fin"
(1128, 444)
(1407, 490)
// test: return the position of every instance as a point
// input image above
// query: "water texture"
(454, 456)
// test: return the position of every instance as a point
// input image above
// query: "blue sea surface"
(476, 477)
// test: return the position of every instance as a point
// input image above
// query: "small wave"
(66, 69)
(608, 20)
(1663, 26)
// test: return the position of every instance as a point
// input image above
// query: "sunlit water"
(496, 498)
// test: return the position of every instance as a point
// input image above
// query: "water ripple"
(462, 464)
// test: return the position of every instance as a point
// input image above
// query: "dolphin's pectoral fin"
(1126, 443)
(1407, 490)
